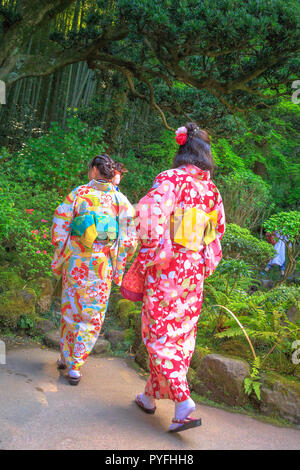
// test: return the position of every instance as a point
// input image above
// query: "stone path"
(40, 410)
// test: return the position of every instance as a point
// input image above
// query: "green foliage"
(238, 243)
(25, 322)
(266, 321)
(246, 198)
(7, 215)
(137, 182)
(287, 224)
(234, 268)
(58, 159)
(268, 143)
(263, 315)
(25, 242)
(226, 158)
(253, 383)
(162, 150)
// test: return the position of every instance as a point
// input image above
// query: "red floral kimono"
(175, 272)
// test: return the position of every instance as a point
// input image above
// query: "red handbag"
(133, 283)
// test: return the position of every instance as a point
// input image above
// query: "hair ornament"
(181, 135)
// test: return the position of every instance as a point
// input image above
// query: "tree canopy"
(238, 54)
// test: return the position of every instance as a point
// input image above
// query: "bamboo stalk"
(67, 95)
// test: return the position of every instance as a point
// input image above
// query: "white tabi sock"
(74, 373)
(184, 408)
(148, 402)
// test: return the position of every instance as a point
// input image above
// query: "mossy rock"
(10, 281)
(124, 311)
(235, 348)
(57, 287)
(137, 334)
(193, 380)
(14, 304)
(280, 397)
(134, 318)
(44, 288)
(116, 338)
(222, 379)
(42, 326)
(198, 355)
(142, 357)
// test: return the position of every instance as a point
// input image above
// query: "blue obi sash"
(91, 227)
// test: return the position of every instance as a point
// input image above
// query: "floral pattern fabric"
(87, 273)
(174, 276)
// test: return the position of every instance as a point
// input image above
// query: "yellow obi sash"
(191, 227)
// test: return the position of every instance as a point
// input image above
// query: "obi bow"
(90, 227)
(192, 227)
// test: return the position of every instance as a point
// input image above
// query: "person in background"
(180, 223)
(279, 245)
(93, 236)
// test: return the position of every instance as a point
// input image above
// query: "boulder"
(102, 346)
(137, 334)
(44, 289)
(267, 283)
(221, 379)
(199, 354)
(57, 287)
(142, 357)
(280, 397)
(235, 347)
(52, 339)
(14, 304)
(115, 337)
(43, 326)
(293, 313)
(44, 303)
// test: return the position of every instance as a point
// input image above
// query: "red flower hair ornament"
(181, 135)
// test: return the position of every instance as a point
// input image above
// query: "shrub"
(25, 242)
(246, 198)
(139, 179)
(238, 243)
(58, 159)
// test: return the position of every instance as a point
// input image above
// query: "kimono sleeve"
(213, 251)
(60, 232)
(153, 222)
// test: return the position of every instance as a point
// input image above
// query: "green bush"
(238, 243)
(25, 242)
(7, 216)
(139, 179)
(57, 159)
(246, 198)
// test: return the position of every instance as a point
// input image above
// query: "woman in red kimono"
(180, 224)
